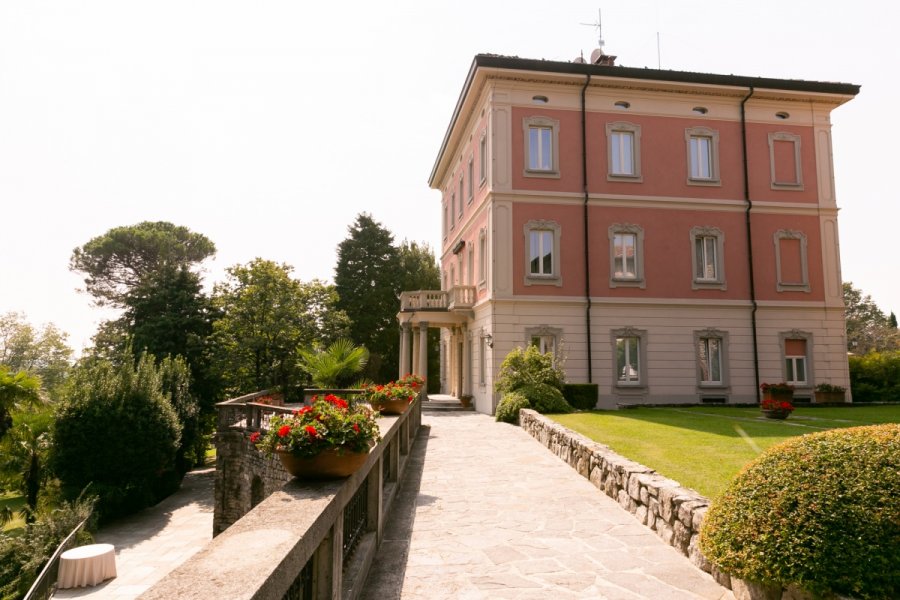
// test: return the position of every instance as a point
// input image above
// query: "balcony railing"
(460, 296)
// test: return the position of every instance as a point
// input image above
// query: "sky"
(268, 126)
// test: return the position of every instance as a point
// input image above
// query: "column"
(415, 354)
(423, 353)
(466, 363)
(405, 333)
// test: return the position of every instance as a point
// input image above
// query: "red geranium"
(284, 430)
(254, 437)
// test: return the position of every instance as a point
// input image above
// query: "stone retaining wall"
(672, 511)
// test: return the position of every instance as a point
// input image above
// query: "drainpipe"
(750, 241)
(587, 258)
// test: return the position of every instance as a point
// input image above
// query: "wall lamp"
(489, 340)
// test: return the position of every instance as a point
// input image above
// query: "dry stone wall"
(672, 511)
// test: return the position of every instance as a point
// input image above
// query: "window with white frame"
(623, 142)
(709, 360)
(544, 338)
(791, 267)
(784, 161)
(795, 361)
(471, 268)
(541, 147)
(482, 256)
(452, 211)
(461, 184)
(482, 157)
(542, 260)
(444, 221)
(703, 155)
(471, 178)
(626, 247)
(707, 257)
(629, 357)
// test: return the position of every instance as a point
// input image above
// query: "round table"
(86, 565)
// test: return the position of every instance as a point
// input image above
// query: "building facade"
(671, 236)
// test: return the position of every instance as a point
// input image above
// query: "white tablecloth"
(86, 565)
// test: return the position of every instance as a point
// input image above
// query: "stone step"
(445, 405)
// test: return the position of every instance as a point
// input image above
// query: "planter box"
(830, 397)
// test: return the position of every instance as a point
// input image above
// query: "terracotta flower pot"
(776, 413)
(328, 464)
(391, 407)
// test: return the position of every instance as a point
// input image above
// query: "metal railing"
(45, 584)
(356, 515)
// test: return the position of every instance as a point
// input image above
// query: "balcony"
(460, 297)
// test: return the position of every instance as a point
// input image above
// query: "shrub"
(581, 396)
(875, 377)
(118, 431)
(508, 409)
(821, 511)
(545, 398)
(526, 367)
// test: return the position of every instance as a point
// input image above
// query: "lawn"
(15, 502)
(704, 447)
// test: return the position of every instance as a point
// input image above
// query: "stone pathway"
(484, 511)
(154, 541)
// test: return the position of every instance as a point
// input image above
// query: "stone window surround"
(635, 131)
(638, 281)
(641, 335)
(707, 284)
(791, 286)
(784, 136)
(797, 334)
(722, 336)
(482, 258)
(713, 135)
(555, 278)
(462, 189)
(544, 330)
(482, 157)
(471, 174)
(553, 124)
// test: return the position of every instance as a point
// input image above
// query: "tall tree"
(367, 281)
(266, 317)
(868, 329)
(125, 257)
(42, 352)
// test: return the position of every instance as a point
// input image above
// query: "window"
(444, 221)
(707, 255)
(623, 142)
(452, 211)
(791, 267)
(629, 357)
(711, 351)
(460, 197)
(542, 253)
(482, 157)
(703, 155)
(482, 359)
(471, 178)
(626, 247)
(482, 256)
(541, 147)
(544, 338)
(784, 161)
(795, 371)
(471, 269)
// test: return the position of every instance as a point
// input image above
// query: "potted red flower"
(393, 398)
(776, 402)
(328, 438)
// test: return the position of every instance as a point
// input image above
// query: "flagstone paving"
(484, 511)
(154, 541)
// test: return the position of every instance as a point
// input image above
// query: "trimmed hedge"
(545, 398)
(821, 511)
(582, 396)
(508, 409)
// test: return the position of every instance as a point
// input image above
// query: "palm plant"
(336, 365)
(16, 390)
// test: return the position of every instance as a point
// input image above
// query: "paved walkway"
(492, 514)
(154, 541)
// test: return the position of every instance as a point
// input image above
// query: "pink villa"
(671, 236)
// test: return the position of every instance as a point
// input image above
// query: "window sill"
(627, 283)
(704, 182)
(543, 280)
(712, 386)
(541, 174)
(792, 287)
(702, 284)
(791, 187)
(625, 178)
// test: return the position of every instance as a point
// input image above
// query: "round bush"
(508, 409)
(545, 398)
(821, 511)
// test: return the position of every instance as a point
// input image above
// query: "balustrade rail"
(311, 539)
(460, 296)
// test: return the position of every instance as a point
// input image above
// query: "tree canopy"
(42, 352)
(868, 329)
(124, 257)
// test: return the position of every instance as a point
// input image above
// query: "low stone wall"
(672, 511)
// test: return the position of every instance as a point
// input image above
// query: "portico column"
(423, 352)
(466, 363)
(405, 334)
(415, 353)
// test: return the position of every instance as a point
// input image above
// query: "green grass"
(704, 447)
(15, 502)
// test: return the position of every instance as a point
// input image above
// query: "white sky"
(269, 125)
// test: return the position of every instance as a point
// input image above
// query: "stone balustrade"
(674, 512)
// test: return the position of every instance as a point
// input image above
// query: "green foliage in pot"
(508, 409)
(821, 511)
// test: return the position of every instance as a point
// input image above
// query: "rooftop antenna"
(599, 26)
